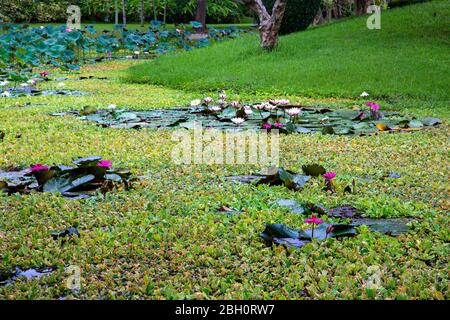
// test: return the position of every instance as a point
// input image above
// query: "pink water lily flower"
(314, 220)
(68, 30)
(208, 100)
(234, 104)
(104, 163)
(278, 125)
(44, 73)
(329, 175)
(267, 126)
(39, 167)
(373, 106)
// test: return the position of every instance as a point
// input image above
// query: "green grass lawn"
(407, 57)
(164, 239)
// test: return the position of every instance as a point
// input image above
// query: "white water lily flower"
(196, 102)
(32, 82)
(61, 85)
(41, 27)
(269, 106)
(248, 110)
(215, 109)
(6, 94)
(112, 107)
(222, 102)
(223, 96)
(293, 111)
(364, 94)
(237, 121)
(128, 57)
(4, 83)
(258, 106)
(137, 53)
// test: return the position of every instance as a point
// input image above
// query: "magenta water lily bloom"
(278, 125)
(104, 163)
(39, 167)
(329, 175)
(373, 106)
(314, 220)
(267, 126)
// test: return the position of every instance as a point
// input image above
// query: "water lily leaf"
(69, 232)
(82, 181)
(293, 205)
(393, 227)
(87, 161)
(127, 116)
(113, 177)
(328, 130)
(280, 231)
(88, 110)
(314, 170)
(415, 124)
(346, 211)
(431, 121)
(57, 184)
(339, 230)
(382, 127)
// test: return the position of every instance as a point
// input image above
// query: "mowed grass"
(407, 57)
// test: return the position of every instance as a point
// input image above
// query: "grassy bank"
(407, 57)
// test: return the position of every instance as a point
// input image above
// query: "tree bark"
(361, 6)
(124, 14)
(116, 12)
(155, 14)
(142, 13)
(269, 25)
(165, 12)
(201, 15)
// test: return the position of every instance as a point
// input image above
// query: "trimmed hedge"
(298, 16)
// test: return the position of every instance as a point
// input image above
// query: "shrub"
(298, 16)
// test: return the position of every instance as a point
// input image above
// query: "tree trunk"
(361, 6)
(116, 13)
(142, 13)
(165, 11)
(155, 14)
(124, 14)
(269, 25)
(201, 15)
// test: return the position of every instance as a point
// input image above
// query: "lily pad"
(393, 227)
(314, 170)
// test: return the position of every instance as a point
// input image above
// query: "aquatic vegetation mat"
(287, 119)
(84, 179)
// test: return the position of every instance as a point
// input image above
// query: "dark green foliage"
(298, 16)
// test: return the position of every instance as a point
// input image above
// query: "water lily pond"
(268, 117)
